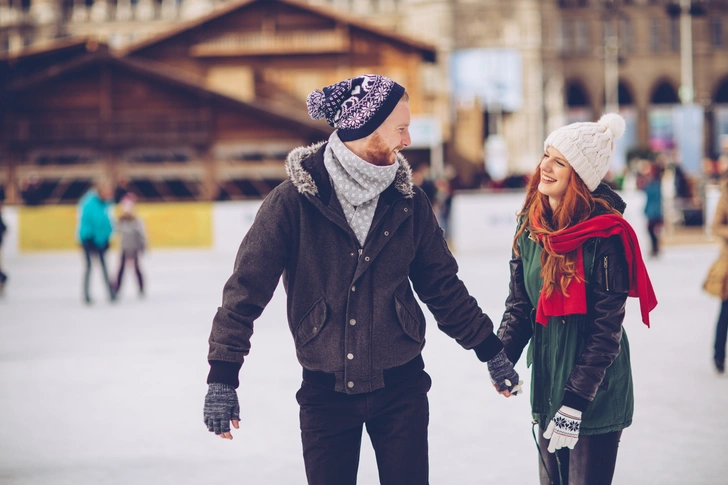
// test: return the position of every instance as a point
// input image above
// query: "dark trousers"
(721, 331)
(90, 249)
(652, 228)
(134, 256)
(396, 419)
(591, 462)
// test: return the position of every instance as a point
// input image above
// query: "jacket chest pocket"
(312, 323)
(412, 324)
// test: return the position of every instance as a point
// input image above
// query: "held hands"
(221, 407)
(503, 376)
(563, 430)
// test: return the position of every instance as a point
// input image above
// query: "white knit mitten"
(563, 430)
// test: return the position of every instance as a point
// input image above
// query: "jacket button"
(386, 233)
(366, 258)
(406, 209)
(353, 288)
(315, 329)
(350, 384)
(352, 322)
(352, 254)
(563, 320)
(350, 356)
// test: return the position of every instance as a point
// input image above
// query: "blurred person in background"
(651, 184)
(132, 241)
(31, 190)
(350, 233)
(94, 232)
(3, 229)
(575, 261)
(716, 282)
(421, 178)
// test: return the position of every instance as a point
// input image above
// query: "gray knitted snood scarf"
(357, 184)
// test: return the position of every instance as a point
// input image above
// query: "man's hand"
(503, 376)
(221, 408)
(563, 430)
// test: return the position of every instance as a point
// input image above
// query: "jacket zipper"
(606, 270)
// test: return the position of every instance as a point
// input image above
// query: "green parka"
(581, 361)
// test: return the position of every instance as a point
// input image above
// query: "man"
(349, 231)
(3, 228)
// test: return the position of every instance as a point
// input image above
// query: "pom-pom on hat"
(357, 106)
(588, 147)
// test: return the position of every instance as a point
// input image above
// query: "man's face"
(381, 147)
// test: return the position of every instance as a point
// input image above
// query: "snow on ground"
(113, 393)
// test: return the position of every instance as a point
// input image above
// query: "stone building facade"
(572, 55)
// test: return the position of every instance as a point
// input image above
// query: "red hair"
(576, 206)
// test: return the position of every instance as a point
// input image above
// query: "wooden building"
(207, 110)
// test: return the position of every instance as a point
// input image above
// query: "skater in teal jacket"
(94, 232)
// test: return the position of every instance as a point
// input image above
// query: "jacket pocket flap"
(312, 323)
(414, 326)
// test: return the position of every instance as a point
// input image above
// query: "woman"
(653, 206)
(717, 280)
(94, 232)
(575, 262)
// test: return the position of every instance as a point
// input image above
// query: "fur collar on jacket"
(305, 184)
(605, 192)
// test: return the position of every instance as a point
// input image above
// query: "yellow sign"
(167, 225)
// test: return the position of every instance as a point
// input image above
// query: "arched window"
(624, 95)
(576, 95)
(721, 96)
(664, 93)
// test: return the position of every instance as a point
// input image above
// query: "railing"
(273, 43)
(121, 129)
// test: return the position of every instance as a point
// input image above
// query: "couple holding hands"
(353, 236)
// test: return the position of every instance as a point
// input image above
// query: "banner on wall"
(493, 76)
(720, 114)
(661, 128)
(626, 142)
(688, 121)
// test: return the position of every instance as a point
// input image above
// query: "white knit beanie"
(588, 147)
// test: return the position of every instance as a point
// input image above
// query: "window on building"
(655, 35)
(624, 95)
(664, 93)
(582, 43)
(576, 95)
(626, 35)
(716, 32)
(565, 37)
(674, 37)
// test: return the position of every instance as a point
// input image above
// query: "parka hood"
(305, 183)
(605, 192)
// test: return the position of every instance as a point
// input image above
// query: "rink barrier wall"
(53, 228)
(481, 222)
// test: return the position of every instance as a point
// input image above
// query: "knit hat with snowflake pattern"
(356, 106)
(588, 147)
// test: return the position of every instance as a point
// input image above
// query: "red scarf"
(572, 238)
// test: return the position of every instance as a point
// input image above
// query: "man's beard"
(378, 153)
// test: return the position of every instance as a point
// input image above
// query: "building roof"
(166, 74)
(427, 51)
(71, 45)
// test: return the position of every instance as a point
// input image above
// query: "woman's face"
(555, 174)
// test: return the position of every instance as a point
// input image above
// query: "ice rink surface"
(113, 393)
